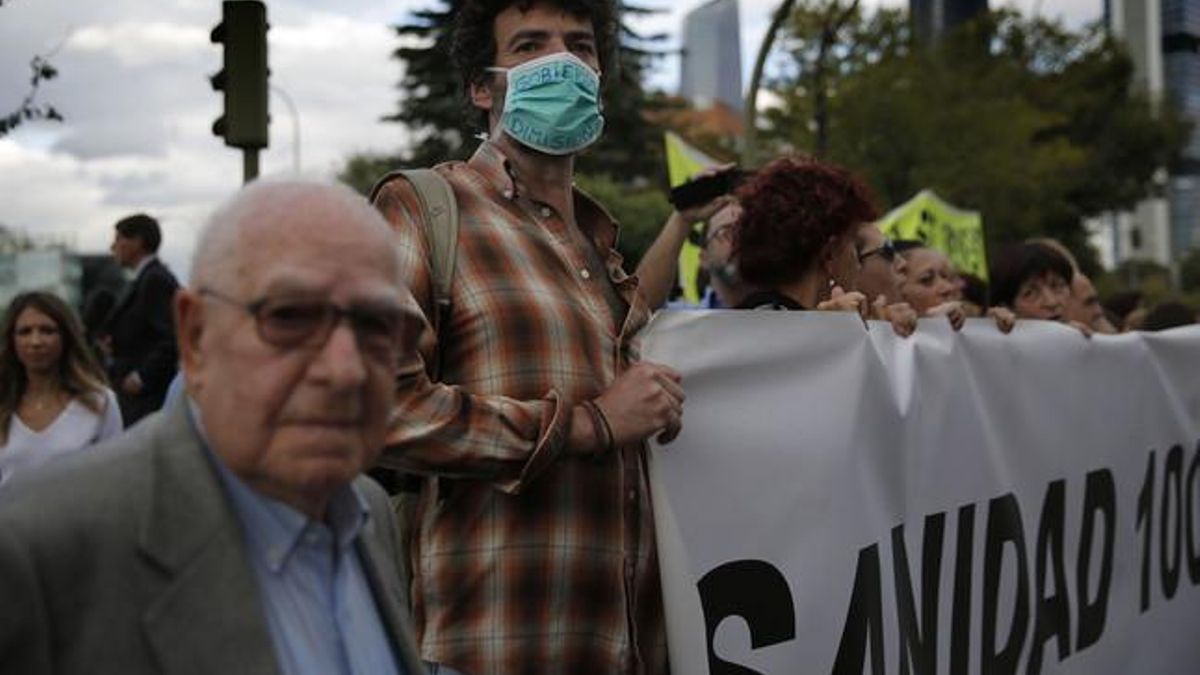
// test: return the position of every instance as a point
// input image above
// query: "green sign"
(955, 232)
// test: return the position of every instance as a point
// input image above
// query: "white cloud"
(134, 88)
(136, 44)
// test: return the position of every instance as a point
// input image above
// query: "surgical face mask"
(552, 104)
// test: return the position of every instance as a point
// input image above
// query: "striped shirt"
(529, 557)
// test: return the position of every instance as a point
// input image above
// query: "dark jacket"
(143, 340)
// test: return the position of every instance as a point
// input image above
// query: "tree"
(435, 110)
(1189, 271)
(30, 109)
(1033, 125)
(640, 211)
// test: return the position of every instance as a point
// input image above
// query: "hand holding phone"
(704, 189)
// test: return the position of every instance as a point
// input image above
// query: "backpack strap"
(439, 216)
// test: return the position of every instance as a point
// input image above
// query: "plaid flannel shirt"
(528, 557)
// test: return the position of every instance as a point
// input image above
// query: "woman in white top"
(53, 398)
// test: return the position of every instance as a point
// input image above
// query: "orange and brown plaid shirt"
(528, 557)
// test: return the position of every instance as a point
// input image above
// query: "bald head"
(290, 335)
(271, 214)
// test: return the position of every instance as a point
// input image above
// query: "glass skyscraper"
(1181, 75)
(712, 63)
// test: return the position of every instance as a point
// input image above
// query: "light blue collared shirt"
(318, 603)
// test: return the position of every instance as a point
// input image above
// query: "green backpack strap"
(439, 217)
(439, 211)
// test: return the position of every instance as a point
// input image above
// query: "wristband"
(600, 425)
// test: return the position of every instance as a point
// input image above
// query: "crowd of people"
(802, 234)
(492, 381)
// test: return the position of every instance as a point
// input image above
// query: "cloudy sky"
(133, 86)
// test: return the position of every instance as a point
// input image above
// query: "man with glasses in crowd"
(659, 266)
(232, 532)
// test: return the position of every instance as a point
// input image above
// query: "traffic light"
(243, 79)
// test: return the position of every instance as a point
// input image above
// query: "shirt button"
(585, 274)
(545, 211)
(633, 495)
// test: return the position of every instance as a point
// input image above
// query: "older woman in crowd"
(930, 284)
(796, 238)
(53, 398)
(1034, 281)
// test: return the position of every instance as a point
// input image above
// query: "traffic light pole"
(242, 80)
(249, 164)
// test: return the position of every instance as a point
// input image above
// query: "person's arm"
(159, 363)
(444, 430)
(659, 266)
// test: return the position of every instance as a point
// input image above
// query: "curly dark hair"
(790, 210)
(473, 46)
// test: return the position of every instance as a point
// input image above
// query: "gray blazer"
(128, 558)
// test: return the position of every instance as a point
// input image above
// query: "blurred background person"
(140, 334)
(1170, 314)
(659, 268)
(880, 275)
(930, 284)
(1034, 281)
(96, 308)
(1083, 304)
(53, 398)
(1123, 306)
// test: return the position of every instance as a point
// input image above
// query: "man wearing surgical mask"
(528, 411)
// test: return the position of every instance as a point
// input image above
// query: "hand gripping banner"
(843, 501)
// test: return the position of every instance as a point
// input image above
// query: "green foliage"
(1148, 277)
(435, 111)
(1189, 271)
(361, 171)
(640, 211)
(1031, 124)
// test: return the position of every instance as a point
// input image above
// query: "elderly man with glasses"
(233, 532)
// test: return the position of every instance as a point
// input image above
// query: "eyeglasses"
(886, 250)
(291, 323)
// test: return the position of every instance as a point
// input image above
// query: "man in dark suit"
(139, 333)
(233, 532)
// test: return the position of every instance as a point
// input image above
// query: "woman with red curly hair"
(795, 239)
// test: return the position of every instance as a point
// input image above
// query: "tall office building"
(932, 18)
(1146, 232)
(712, 56)
(1181, 74)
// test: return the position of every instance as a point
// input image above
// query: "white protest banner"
(842, 500)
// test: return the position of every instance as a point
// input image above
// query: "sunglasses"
(292, 323)
(887, 251)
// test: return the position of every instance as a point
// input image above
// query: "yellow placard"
(953, 231)
(683, 162)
